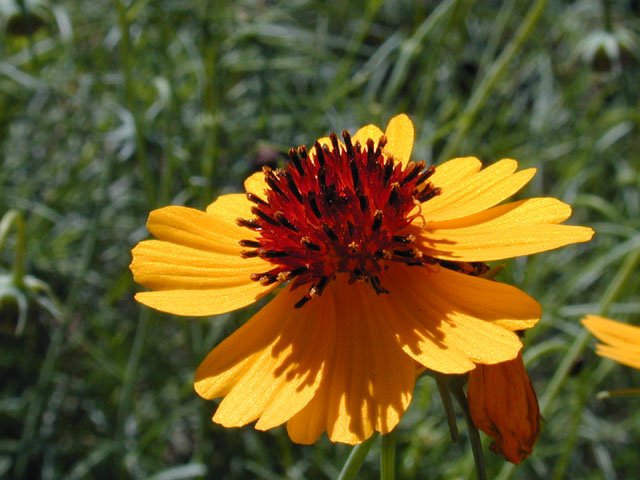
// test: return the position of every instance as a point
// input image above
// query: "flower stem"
(13, 217)
(445, 395)
(388, 456)
(356, 458)
(474, 436)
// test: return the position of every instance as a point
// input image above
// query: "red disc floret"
(337, 209)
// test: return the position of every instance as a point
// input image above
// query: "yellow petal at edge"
(461, 315)
(400, 135)
(270, 367)
(510, 230)
(368, 382)
(366, 132)
(477, 192)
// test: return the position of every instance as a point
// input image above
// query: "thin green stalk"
(13, 217)
(445, 395)
(497, 69)
(388, 456)
(474, 435)
(126, 57)
(356, 458)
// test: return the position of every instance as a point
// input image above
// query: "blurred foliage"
(110, 109)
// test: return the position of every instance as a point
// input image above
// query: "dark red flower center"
(337, 210)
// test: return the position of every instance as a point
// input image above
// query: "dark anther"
(426, 174)
(405, 239)
(302, 151)
(259, 213)
(295, 159)
(298, 271)
(306, 241)
(249, 253)
(358, 147)
(388, 169)
(395, 192)
(416, 169)
(252, 224)
(405, 253)
(351, 228)
(280, 217)
(252, 197)
(329, 233)
(377, 220)
(322, 178)
(386, 254)
(347, 142)
(292, 186)
(354, 172)
(311, 197)
(264, 253)
(266, 278)
(371, 154)
(250, 243)
(364, 203)
(318, 288)
(319, 154)
(382, 141)
(302, 301)
(427, 194)
(272, 180)
(375, 283)
(334, 143)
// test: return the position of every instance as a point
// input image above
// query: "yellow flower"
(621, 341)
(503, 404)
(375, 253)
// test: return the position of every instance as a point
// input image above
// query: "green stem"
(388, 456)
(445, 395)
(356, 458)
(126, 57)
(481, 93)
(474, 435)
(13, 217)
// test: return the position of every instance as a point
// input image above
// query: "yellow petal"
(505, 231)
(199, 303)
(226, 210)
(465, 317)
(162, 265)
(453, 171)
(271, 367)
(623, 340)
(366, 132)
(400, 134)
(368, 382)
(477, 192)
(255, 183)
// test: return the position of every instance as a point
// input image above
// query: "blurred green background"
(110, 109)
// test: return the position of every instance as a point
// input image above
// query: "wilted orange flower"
(621, 341)
(503, 404)
(373, 253)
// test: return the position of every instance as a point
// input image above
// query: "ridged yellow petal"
(168, 266)
(255, 183)
(505, 231)
(199, 303)
(369, 131)
(453, 171)
(400, 135)
(465, 317)
(477, 192)
(368, 382)
(270, 368)
(623, 340)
